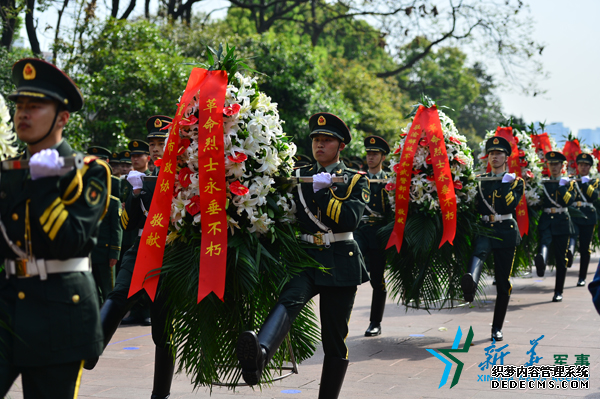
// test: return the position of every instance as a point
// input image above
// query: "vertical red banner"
(152, 243)
(515, 167)
(403, 171)
(441, 171)
(212, 185)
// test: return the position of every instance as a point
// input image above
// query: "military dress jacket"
(133, 217)
(375, 211)
(339, 207)
(111, 232)
(504, 198)
(557, 223)
(55, 320)
(590, 193)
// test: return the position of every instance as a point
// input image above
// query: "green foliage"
(129, 72)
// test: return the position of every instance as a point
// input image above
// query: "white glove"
(45, 163)
(585, 179)
(508, 178)
(135, 179)
(563, 181)
(321, 180)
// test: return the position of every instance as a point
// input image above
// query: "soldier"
(328, 213)
(106, 252)
(366, 235)
(496, 202)
(555, 225)
(133, 218)
(586, 195)
(49, 318)
(115, 163)
(126, 166)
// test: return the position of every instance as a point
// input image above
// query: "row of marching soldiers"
(50, 211)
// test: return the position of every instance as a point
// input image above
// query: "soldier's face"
(157, 148)
(126, 168)
(584, 168)
(497, 158)
(326, 149)
(34, 116)
(555, 168)
(374, 159)
(139, 162)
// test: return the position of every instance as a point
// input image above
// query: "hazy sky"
(571, 32)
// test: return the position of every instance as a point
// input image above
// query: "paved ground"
(396, 364)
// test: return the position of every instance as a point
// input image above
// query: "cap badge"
(584, 156)
(28, 72)
(135, 144)
(95, 150)
(115, 154)
(157, 123)
(372, 141)
(552, 155)
(496, 141)
(127, 154)
(321, 121)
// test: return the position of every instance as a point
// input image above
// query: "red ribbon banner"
(515, 167)
(426, 121)
(210, 87)
(212, 185)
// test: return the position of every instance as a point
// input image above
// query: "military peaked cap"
(329, 125)
(498, 143)
(555, 156)
(376, 143)
(585, 158)
(138, 147)
(125, 157)
(100, 152)
(39, 79)
(114, 157)
(157, 127)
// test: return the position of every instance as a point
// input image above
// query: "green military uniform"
(366, 236)
(327, 217)
(49, 318)
(118, 304)
(586, 195)
(496, 203)
(109, 244)
(555, 227)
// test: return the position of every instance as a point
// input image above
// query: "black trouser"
(335, 308)
(103, 277)
(55, 381)
(503, 263)
(560, 245)
(585, 232)
(158, 308)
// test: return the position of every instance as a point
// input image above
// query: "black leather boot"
(332, 377)
(471, 279)
(571, 252)
(499, 315)
(584, 262)
(561, 274)
(255, 351)
(111, 315)
(377, 309)
(164, 367)
(540, 260)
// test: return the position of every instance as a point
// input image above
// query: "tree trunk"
(115, 8)
(57, 30)
(30, 26)
(9, 20)
(147, 9)
(129, 10)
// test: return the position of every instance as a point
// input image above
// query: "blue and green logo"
(449, 355)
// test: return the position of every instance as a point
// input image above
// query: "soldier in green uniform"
(50, 214)
(555, 225)
(496, 202)
(106, 252)
(133, 219)
(328, 213)
(586, 190)
(115, 163)
(366, 235)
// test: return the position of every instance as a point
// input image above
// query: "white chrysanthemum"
(7, 136)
